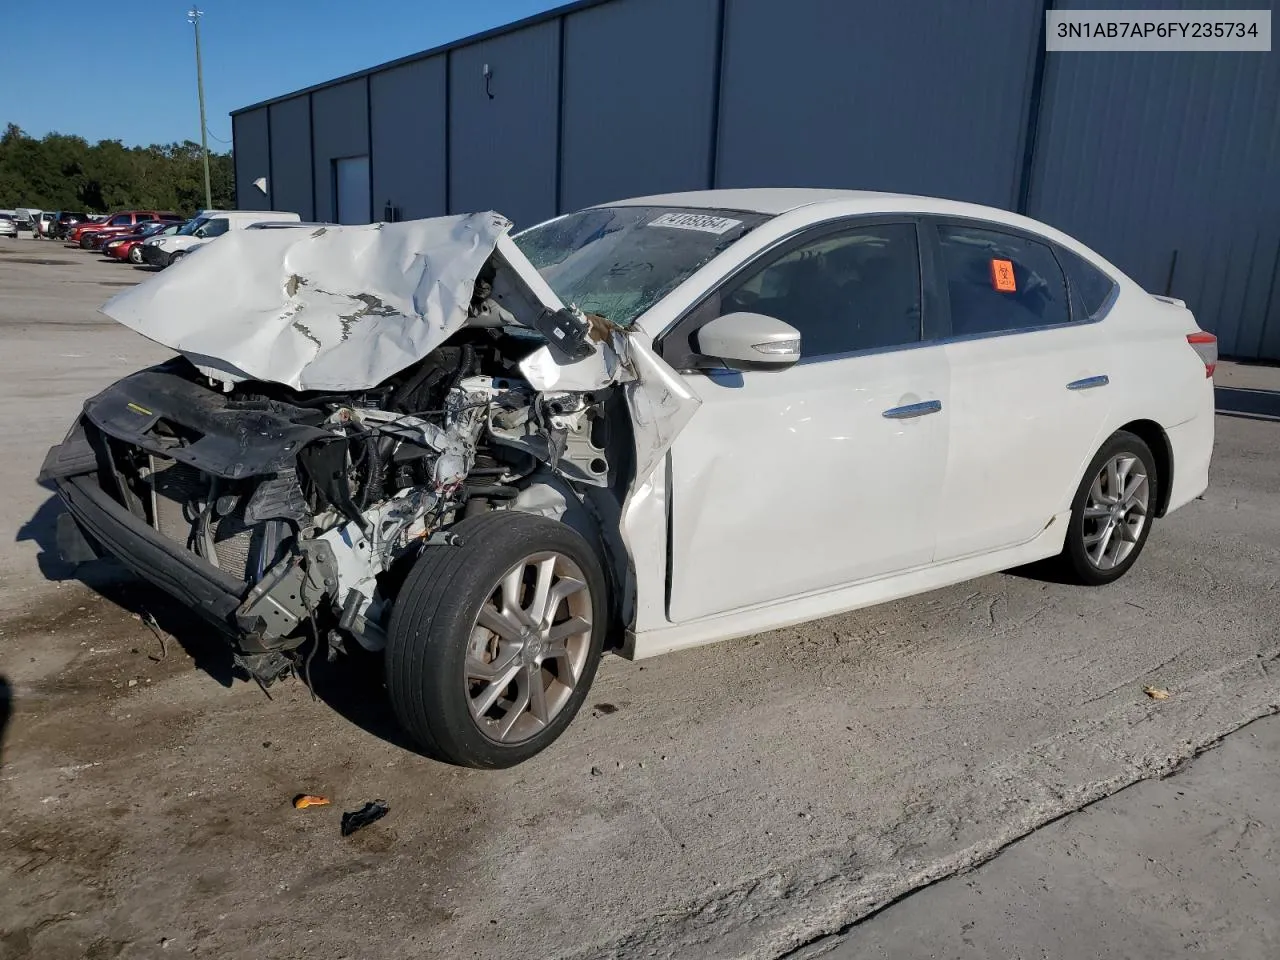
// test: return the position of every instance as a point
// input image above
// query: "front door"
(798, 481)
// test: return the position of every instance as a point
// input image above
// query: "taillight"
(1206, 345)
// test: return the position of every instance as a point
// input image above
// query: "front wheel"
(1112, 511)
(493, 644)
(135, 255)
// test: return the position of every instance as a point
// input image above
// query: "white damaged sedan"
(640, 427)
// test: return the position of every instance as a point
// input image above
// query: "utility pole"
(193, 17)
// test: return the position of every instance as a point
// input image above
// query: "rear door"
(801, 480)
(1030, 378)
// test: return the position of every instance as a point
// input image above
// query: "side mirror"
(750, 341)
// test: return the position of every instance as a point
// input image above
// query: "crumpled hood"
(330, 308)
(342, 308)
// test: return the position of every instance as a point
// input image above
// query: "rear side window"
(858, 289)
(144, 218)
(998, 282)
(1090, 285)
(120, 219)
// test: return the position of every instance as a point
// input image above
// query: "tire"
(175, 257)
(1091, 556)
(135, 255)
(437, 648)
(85, 243)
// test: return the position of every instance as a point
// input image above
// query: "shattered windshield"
(619, 261)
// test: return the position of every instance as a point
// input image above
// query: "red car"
(129, 246)
(123, 222)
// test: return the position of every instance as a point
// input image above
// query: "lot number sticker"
(696, 221)
(1002, 276)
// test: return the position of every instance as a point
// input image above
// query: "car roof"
(771, 200)
(774, 201)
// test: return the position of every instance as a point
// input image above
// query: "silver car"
(7, 227)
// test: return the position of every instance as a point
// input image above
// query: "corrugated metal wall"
(638, 104)
(291, 157)
(1139, 155)
(340, 119)
(503, 148)
(251, 136)
(878, 96)
(409, 139)
(1151, 157)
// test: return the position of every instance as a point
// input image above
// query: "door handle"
(1088, 383)
(913, 410)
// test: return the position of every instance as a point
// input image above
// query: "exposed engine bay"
(300, 509)
(358, 482)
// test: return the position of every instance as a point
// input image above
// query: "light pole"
(193, 17)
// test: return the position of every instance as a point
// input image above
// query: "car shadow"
(352, 686)
(1247, 403)
(113, 581)
(6, 712)
(1050, 570)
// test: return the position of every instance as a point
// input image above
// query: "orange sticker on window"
(1002, 276)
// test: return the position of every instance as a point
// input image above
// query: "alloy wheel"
(1116, 511)
(528, 647)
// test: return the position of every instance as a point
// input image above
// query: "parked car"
(113, 245)
(210, 224)
(7, 227)
(117, 222)
(129, 246)
(26, 218)
(763, 407)
(64, 220)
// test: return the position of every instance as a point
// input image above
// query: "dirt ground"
(740, 800)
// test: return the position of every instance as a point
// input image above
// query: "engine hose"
(378, 452)
(428, 376)
(465, 364)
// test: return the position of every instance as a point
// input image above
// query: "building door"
(351, 189)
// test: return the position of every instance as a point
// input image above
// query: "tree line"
(62, 172)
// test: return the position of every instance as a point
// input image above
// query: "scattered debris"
(1156, 693)
(371, 812)
(596, 771)
(606, 708)
(304, 800)
(150, 621)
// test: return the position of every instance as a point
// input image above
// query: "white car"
(207, 225)
(640, 427)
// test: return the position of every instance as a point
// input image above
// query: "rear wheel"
(493, 645)
(1112, 511)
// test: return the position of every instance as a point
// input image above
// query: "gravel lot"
(740, 800)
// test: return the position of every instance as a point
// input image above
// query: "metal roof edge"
(530, 21)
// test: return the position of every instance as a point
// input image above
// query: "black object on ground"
(372, 811)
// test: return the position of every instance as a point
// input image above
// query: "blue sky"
(145, 89)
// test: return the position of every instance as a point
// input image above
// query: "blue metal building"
(1167, 163)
